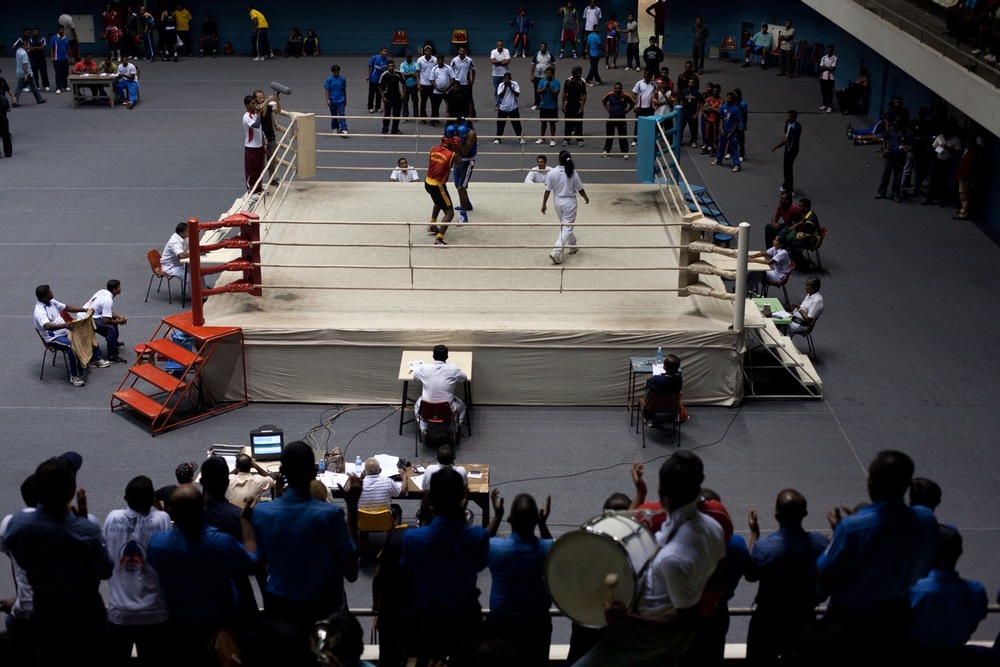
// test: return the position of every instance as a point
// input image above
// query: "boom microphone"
(280, 88)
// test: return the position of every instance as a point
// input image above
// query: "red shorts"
(568, 36)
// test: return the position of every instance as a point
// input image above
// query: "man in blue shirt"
(443, 560)
(519, 601)
(336, 98)
(377, 64)
(409, 71)
(784, 563)
(60, 60)
(306, 546)
(24, 76)
(548, 104)
(729, 141)
(594, 47)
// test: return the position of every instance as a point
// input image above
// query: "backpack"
(228, 49)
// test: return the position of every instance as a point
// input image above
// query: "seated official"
(805, 314)
(87, 66)
(176, 250)
(669, 382)
(127, 86)
(539, 172)
(403, 173)
(439, 380)
(376, 490)
(777, 258)
(50, 324)
(445, 460)
(249, 481)
(106, 321)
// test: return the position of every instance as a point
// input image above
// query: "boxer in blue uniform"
(469, 142)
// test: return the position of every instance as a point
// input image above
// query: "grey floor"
(906, 344)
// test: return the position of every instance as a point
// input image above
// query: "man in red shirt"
(441, 160)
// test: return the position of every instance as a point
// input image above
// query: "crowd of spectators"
(180, 587)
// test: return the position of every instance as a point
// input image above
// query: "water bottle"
(322, 466)
(359, 466)
(659, 356)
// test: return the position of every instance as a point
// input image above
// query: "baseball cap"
(74, 460)
(187, 468)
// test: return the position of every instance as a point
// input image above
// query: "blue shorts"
(463, 173)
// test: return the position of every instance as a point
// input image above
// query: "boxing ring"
(330, 281)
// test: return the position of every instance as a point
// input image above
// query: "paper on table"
(476, 474)
(418, 480)
(781, 314)
(333, 480)
(414, 364)
(657, 368)
(230, 462)
(389, 464)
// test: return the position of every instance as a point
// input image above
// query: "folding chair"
(442, 425)
(658, 404)
(154, 265)
(55, 352)
(807, 334)
(399, 39)
(765, 283)
(815, 250)
(728, 46)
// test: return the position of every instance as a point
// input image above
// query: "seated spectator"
(539, 172)
(209, 41)
(802, 234)
(127, 86)
(310, 45)
(445, 460)
(784, 563)
(55, 331)
(782, 217)
(519, 601)
(106, 321)
(376, 490)
(293, 47)
(805, 314)
(854, 98)
(667, 382)
(925, 492)
(946, 608)
(403, 173)
(184, 473)
(249, 481)
(760, 45)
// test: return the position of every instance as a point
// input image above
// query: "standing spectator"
(377, 491)
(391, 87)
(784, 563)
(918, 158)
(184, 472)
(69, 29)
(946, 147)
(594, 47)
(741, 130)
(786, 44)
(508, 92)
(168, 41)
(148, 23)
(711, 104)
(60, 59)
(442, 77)
(652, 56)
(519, 602)
(658, 10)
(827, 66)
(631, 44)
(336, 98)
(253, 147)
(573, 101)
(618, 104)
(564, 182)
(137, 611)
(570, 26)
(310, 45)
(540, 62)
(591, 17)
(500, 58)
(209, 41)
(643, 91)
(547, 93)
(306, 545)
(24, 77)
(965, 173)
(65, 558)
(793, 135)
(249, 481)
(729, 145)
(465, 76)
(700, 36)
(377, 64)
(612, 38)
(131, 35)
(408, 69)
(269, 106)
(924, 492)
(521, 24)
(457, 101)
(36, 56)
(18, 622)
(425, 70)
(688, 73)
(262, 47)
(5, 137)
(197, 565)
(447, 618)
(691, 101)
(895, 144)
(184, 18)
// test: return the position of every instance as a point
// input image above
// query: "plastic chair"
(807, 334)
(728, 46)
(459, 37)
(818, 49)
(658, 404)
(800, 54)
(373, 522)
(55, 352)
(442, 425)
(400, 39)
(815, 250)
(154, 265)
(781, 283)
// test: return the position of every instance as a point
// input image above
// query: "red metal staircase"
(168, 400)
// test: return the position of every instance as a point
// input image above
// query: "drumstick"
(611, 580)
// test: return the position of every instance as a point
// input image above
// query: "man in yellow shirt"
(183, 17)
(262, 47)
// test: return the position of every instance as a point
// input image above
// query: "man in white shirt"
(643, 92)
(500, 57)
(425, 79)
(805, 314)
(827, 66)
(50, 324)
(441, 77)
(176, 250)
(253, 146)
(445, 459)
(508, 92)
(538, 173)
(127, 86)
(137, 610)
(403, 173)
(106, 321)
(465, 72)
(591, 16)
(246, 484)
(439, 380)
(377, 491)
(19, 608)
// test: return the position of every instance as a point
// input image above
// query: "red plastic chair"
(439, 417)
(765, 283)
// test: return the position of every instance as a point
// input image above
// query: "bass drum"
(578, 565)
